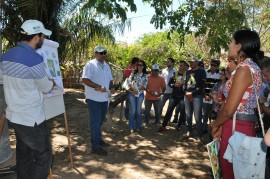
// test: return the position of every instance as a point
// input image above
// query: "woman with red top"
(240, 92)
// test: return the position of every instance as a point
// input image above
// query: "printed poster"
(213, 148)
(50, 56)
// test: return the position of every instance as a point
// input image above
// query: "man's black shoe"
(183, 123)
(104, 144)
(100, 151)
(174, 121)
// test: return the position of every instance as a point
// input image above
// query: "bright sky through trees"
(140, 22)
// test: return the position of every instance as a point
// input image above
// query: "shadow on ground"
(146, 155)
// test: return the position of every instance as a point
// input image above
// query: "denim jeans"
(33, 151)
(163, 99)
(148, 105)
(5, 149)
(172, 104)
(97, 114)
(196, 106)
(135, 111)
(207, 108)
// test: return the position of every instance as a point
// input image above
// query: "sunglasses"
(102, 53)
(214, 65)
(156, 70)
(140, 65)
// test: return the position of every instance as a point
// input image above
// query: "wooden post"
(68, 137)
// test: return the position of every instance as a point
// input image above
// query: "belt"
(247, 117)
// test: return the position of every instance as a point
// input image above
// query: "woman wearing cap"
(138, 82)
(244, 48)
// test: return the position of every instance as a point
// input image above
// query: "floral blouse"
(248, 102)
(138, 80)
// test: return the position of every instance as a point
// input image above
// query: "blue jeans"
(97, 114)
(5, 149)
(207, 108)
(135, 110)
(163, 99)
(172, 104)
(148, 105)
(196, 106)
(33, 151)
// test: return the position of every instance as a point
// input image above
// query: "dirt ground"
(131, 156)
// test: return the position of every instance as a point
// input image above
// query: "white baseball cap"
(193, 59)
(31, 27)
(155, 67)
(100, 48)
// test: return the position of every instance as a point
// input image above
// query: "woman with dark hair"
(240, 91)
(217, 94)
(138, 82)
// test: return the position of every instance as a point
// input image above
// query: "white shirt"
(213, 76)
(166, 74)
(210, 75)
(100, 74)
(25, 81)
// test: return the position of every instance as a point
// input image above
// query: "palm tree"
(74, 31)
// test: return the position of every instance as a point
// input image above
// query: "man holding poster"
(25, 82)
(97, 79)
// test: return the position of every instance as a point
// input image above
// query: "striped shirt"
(25, 80)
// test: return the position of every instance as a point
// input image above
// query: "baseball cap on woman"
(31, 27)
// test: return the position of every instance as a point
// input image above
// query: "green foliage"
(156, 48)
(112, 8)
(215, 20)
(76, 31)
(200, 28)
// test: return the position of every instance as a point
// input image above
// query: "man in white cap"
(155, 88)
(98, 82)
(25, 80)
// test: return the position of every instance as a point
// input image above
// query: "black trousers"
(33, 151)
(173, 102)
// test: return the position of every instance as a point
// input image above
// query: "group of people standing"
(217, 94)
(190, 89)
(184, 88)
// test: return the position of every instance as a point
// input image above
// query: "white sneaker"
(189, 134)
(199, 140)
